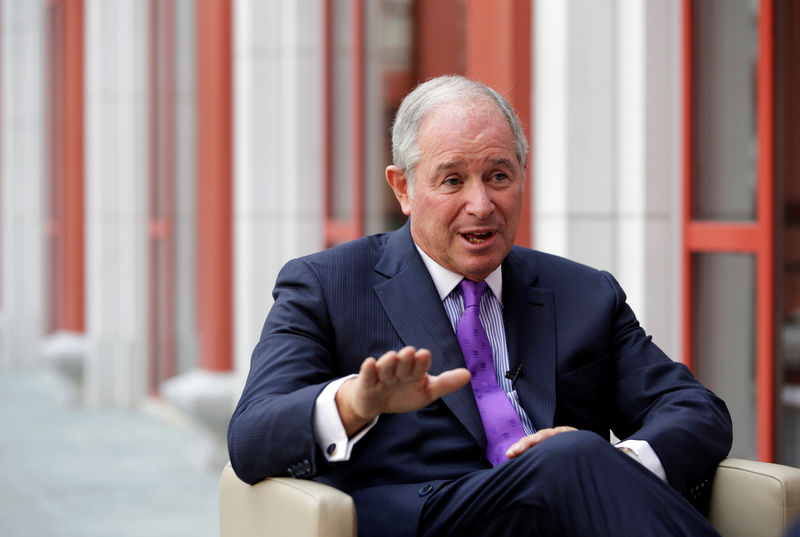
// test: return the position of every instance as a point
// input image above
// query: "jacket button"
(427, 489)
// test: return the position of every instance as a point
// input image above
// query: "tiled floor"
(76, 472)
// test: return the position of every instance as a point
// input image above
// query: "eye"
(499, 177)
(451, 181)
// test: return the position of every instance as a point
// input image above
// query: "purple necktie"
(500, 421)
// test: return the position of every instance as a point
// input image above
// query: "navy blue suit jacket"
(586, 363)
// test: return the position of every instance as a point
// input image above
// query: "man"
(516, 445)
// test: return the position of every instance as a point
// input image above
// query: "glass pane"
(407, 42)
(726, 38)
(723, 304)
(389, 72)
(787, 168)
(343, 36)
(55, 179)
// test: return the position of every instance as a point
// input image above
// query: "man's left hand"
(527, 442)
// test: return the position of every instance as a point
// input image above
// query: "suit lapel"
(412, 303)
(529, 319)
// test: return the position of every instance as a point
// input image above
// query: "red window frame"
(65, 229)
(161, 195)
(215, 184)
(756, 238)
(2, 256)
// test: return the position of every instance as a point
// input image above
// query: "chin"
(479, 272)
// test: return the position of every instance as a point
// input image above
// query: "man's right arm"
(271, 431)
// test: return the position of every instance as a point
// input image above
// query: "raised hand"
(396, 382)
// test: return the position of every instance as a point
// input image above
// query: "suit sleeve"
(270, 432)
(659, 401)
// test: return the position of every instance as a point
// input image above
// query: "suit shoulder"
(546, 261)
(556, 272)
(346, 256)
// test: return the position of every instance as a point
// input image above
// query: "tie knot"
(472, 292)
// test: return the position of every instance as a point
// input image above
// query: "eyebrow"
(449, 165)
(501, 161)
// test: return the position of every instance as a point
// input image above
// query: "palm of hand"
(399, 382)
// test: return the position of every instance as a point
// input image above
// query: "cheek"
(437, 215)
(512, 208)
(445, 220)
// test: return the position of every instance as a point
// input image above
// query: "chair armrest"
(754, 498)
(283, 506)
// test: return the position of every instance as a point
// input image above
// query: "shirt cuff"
(328, 428)
(646, 455)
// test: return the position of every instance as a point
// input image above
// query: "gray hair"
(433, 93)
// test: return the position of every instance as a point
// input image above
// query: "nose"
(478, 199)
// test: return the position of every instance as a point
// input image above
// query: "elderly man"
(500, 370)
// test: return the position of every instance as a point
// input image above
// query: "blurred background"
(161, 159)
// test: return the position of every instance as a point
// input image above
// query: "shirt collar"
(446, 280)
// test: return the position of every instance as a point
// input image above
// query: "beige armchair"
(747, 499)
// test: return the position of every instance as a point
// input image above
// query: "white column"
(648, 189)
(23, 176)
(116, 52)
(574, 139)
(278, 177)
(591, 132)
(630, 187)
(550, 158)
(606, 146)
(574, 130)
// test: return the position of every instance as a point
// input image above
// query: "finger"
(448, 382)
(422, 363)
(405, 363)
(527, 442)
(386, 367)
(523, 444)
(407, 351)
(368, 373)
(564, 429)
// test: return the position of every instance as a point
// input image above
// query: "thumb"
(448, 382)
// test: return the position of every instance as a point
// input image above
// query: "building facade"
(162, 159)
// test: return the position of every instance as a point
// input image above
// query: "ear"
(399, 183)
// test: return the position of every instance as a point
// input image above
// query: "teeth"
(476, 238)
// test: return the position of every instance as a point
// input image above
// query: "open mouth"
(477, 238)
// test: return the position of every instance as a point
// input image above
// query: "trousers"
(573, 484)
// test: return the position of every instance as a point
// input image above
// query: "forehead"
(466, 128)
